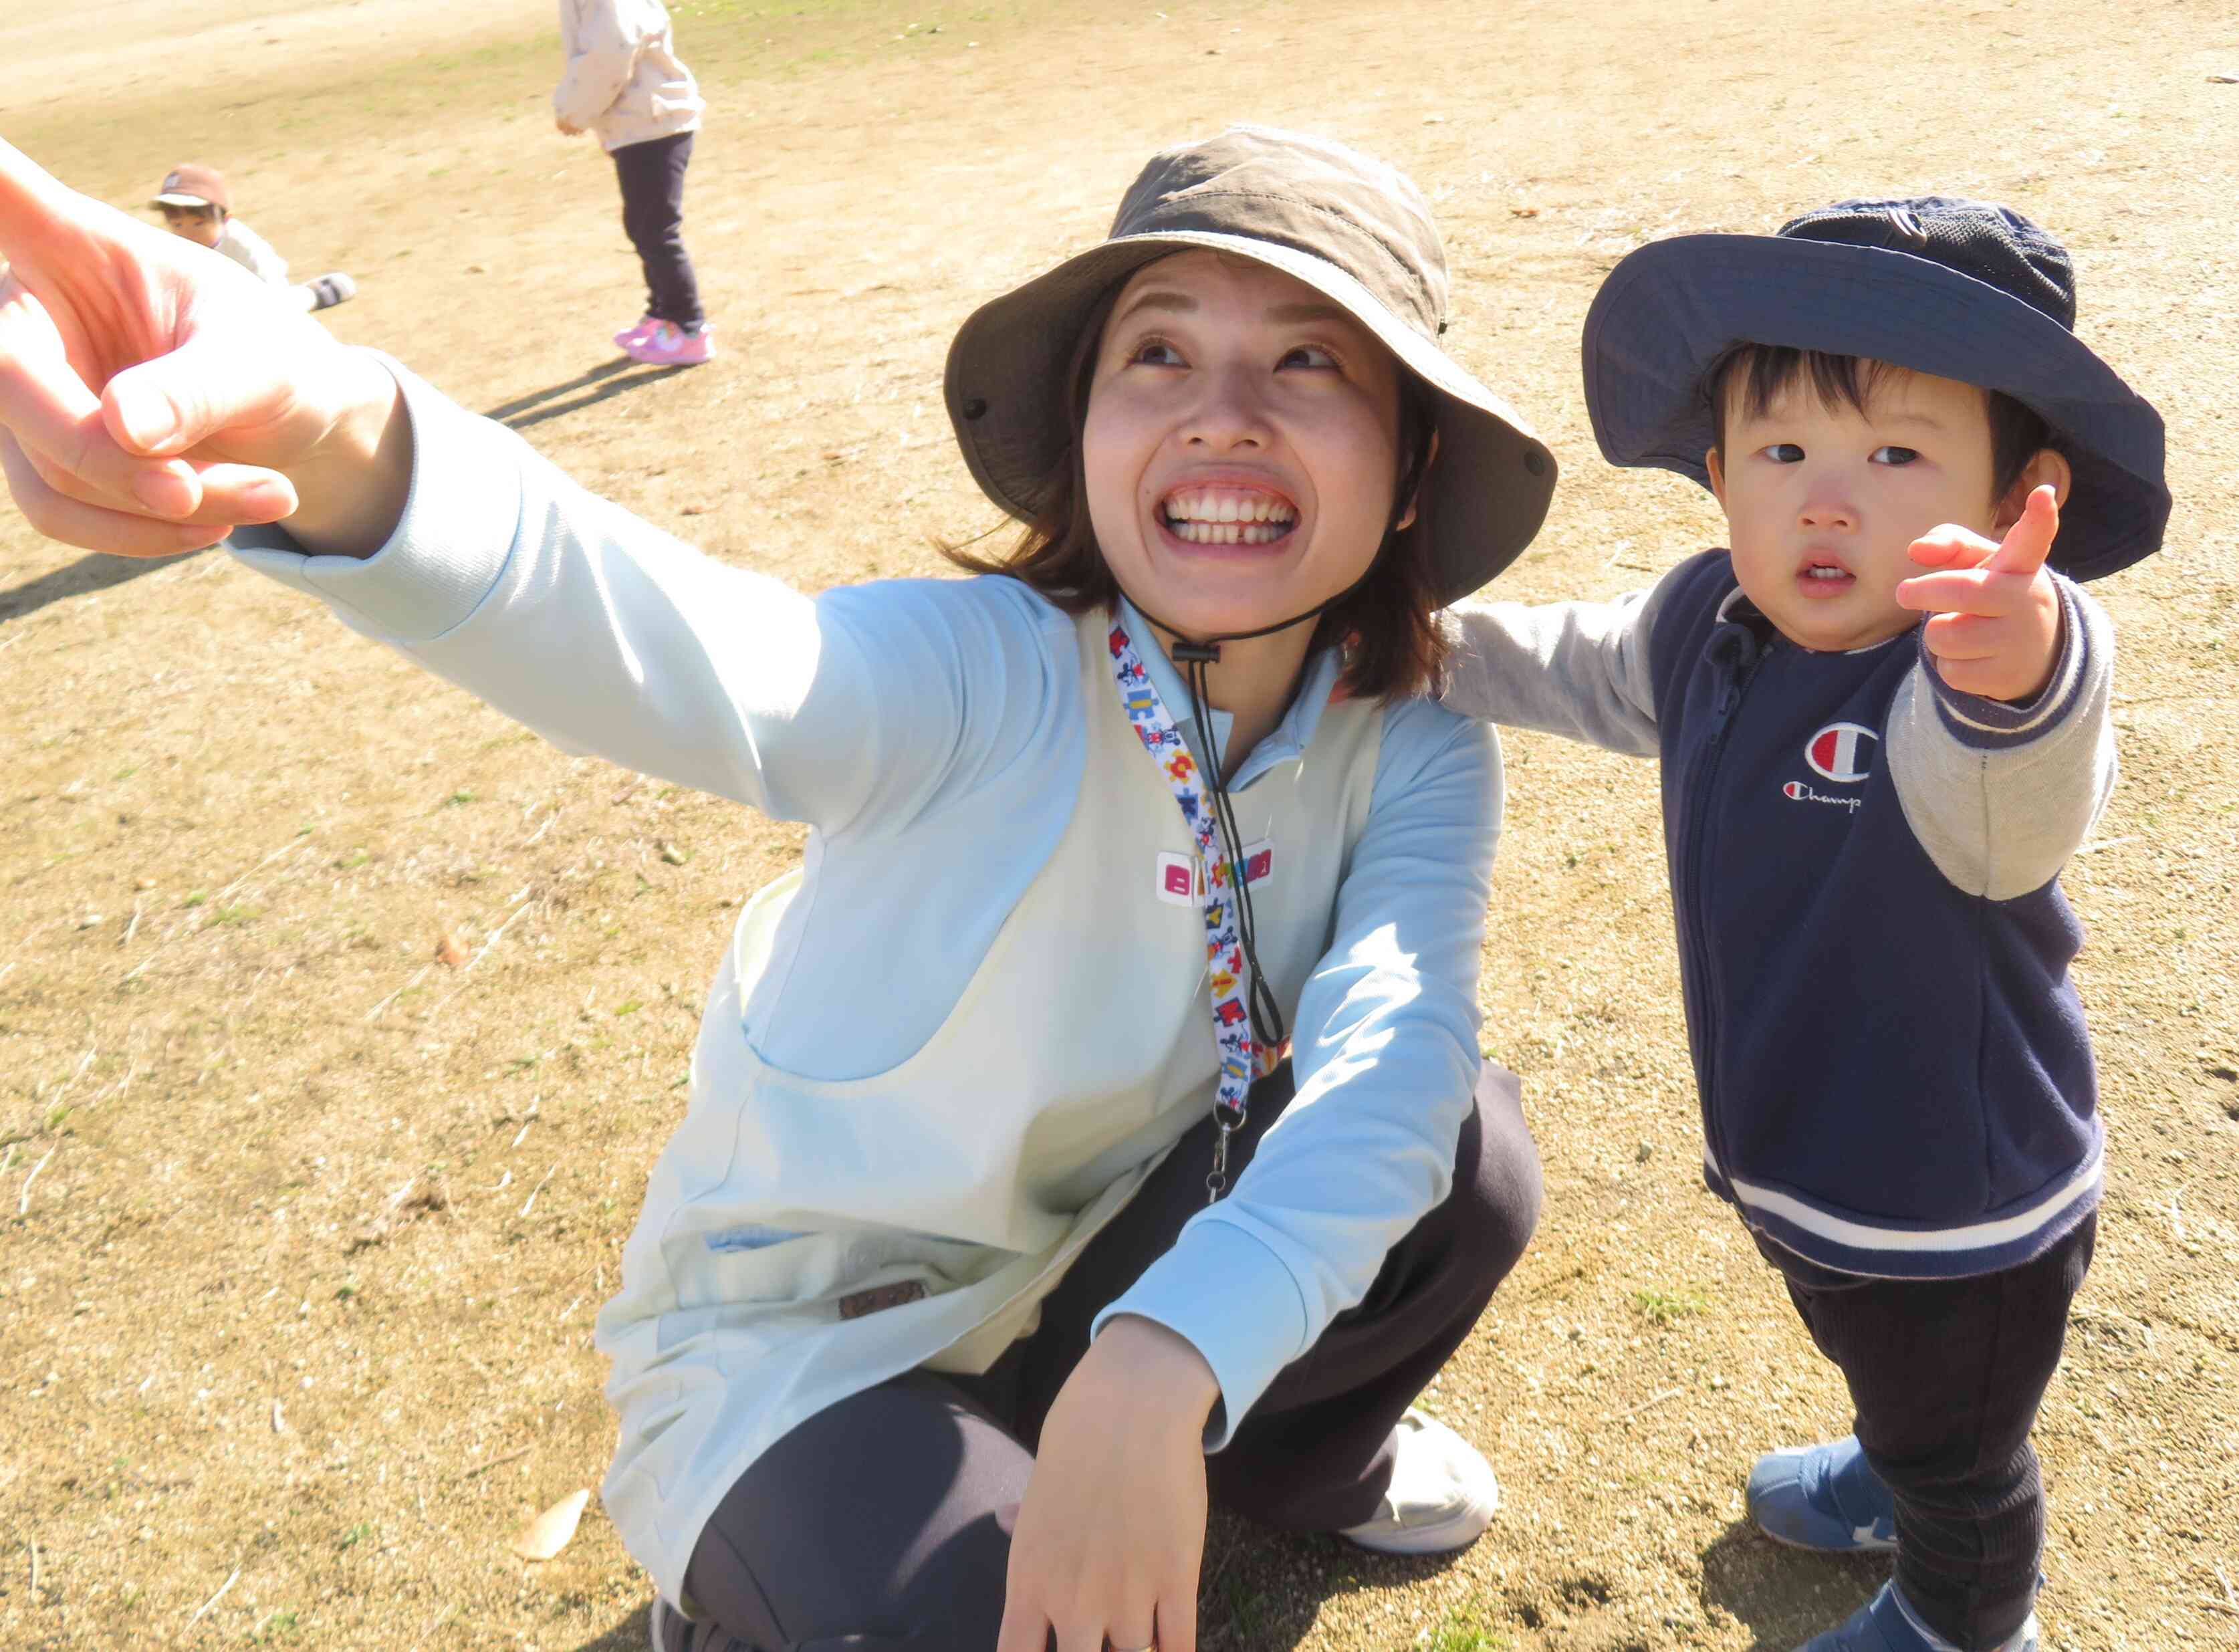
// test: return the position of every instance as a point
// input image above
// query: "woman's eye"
(1894, 456)
(1156, 352)
(1308, 355)
(1785, 453)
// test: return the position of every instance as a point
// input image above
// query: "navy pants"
(883, 1523)
(1947, 1376)
(652, 176)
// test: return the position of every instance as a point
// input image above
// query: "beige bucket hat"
(1352, 228)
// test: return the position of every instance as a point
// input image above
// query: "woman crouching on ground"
(1139, 872)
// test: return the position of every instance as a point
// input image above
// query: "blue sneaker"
(1885, 1624)
(1825, 1497)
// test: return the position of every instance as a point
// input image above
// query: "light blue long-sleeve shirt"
(931, 733)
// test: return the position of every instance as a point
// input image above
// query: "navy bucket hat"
(1959, 288)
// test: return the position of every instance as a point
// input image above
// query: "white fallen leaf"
(549, 1534)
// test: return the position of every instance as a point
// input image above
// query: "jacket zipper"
(1730, 700)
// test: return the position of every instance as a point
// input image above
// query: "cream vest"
(804, 1239)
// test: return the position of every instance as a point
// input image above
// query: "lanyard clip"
(1217, 1183)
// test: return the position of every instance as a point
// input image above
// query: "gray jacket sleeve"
(1575, 668)
(2001, 795)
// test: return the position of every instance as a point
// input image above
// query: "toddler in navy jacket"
(1865, 817)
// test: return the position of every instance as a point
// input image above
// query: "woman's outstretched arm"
(154, 398)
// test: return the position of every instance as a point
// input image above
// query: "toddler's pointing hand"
(1994, 616)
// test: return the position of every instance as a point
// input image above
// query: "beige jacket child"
(623, 81)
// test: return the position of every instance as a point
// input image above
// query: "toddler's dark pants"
(1947, 1376)
(652, 176)
(883, 1523)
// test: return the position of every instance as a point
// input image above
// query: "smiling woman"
(1221, 342)
(1138, 872)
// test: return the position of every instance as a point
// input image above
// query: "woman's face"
(1241, 446)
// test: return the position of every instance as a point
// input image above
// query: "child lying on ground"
(1865, 819)
(196, 203)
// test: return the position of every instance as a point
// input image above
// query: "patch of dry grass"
(339, 1021)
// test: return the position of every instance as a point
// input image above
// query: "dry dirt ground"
(302, 1231)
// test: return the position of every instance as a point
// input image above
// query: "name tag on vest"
(1181, 878)
(882, 1297)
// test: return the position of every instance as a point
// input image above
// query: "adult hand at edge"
(154, 396)
(1111, 1535)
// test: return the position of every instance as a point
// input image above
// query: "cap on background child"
(196, 204)
(1865, 817)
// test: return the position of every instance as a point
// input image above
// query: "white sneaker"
(1442, 1497)
(332, 288)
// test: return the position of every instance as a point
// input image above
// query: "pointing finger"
(31, 204)
(2029, 539)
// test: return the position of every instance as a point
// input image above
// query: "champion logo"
(1801, 792)
(1841, 752)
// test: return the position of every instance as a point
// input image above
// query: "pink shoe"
(669, 345)
(635, 331)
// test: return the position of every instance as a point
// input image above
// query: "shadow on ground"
(1263, 1590)
(97, 571)
(602, 383)
(1785, 1597)
(627, 1634)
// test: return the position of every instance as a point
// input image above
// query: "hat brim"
(1669, 310)
(175, 198)
(1484, 499)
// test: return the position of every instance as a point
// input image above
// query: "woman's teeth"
(1214, 517)
(1228, 533)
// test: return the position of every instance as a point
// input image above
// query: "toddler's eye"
(1894, 456)
(1785, 453)
(1312, 355)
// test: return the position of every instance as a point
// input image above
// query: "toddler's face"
(1823, 502)
(198, 224)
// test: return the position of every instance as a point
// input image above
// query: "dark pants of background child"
(883, 1523)
(1947, 1376)
(652, 176)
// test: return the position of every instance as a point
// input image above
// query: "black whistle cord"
(1267, 1027)
(1193, 655)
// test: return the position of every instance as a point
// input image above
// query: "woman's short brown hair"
(1386, 624)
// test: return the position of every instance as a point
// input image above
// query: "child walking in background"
(196, 204)
(625, 83)
(1865, 819)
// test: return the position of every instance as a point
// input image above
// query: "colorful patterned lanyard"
(1240, 1053)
